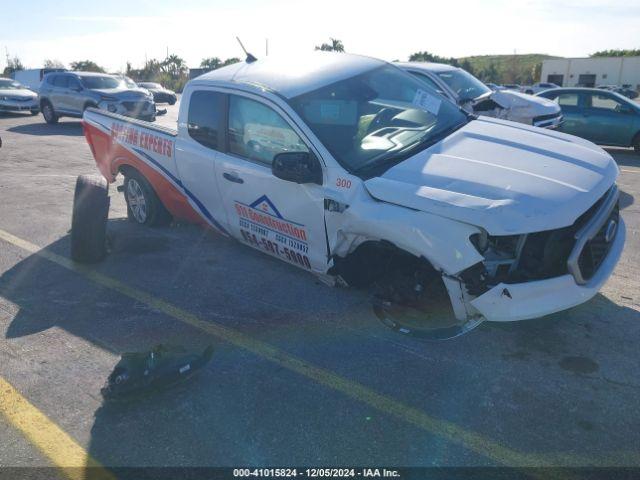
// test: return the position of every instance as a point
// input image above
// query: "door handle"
(232, 177)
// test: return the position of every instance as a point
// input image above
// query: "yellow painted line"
(413, 416)
(51, 440)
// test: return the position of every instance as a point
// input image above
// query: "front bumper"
(145, 110)
(19, 106)
(552, 121)
(522, 301)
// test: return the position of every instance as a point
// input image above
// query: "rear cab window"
(205, 118)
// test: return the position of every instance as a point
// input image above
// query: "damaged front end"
(519, 270)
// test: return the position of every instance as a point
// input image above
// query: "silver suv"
(68, 94)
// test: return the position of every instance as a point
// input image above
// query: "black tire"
(636, 143)
(89, 219)
(172, 101)
(49, 114)
(35, 112)
(143, 205)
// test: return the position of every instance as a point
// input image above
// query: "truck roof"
(289, 76)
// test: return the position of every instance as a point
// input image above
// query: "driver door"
(607, 122)
(279, 217)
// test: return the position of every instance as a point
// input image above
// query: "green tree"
(86, 66)
(335, 46)
(635, 52)
(53, 63)
(430, 57)
(211, 63)
(13, 65)
(174, 66)
(230, 61)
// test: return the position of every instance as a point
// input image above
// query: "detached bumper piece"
(139, 374)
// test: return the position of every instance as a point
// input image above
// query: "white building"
(591, 72)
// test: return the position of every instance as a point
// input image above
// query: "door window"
(258, 133)
(61, 81)
(567, 100)
(74, 83)
(206, 111)
(604, 102)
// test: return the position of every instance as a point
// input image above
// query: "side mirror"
(297, 167)
(626, 109)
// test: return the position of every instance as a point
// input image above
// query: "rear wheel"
(49, 113)
(89, 219)
(143, 205)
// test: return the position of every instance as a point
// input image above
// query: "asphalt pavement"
(302, 373)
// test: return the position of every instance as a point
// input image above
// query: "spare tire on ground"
(89, 219)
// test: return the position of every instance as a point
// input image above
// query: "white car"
(475, 97)
(15, 97)
(350, 168)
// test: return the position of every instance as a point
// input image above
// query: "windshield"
(100, 82)
(8, 84)
(129, 83)
(376, 117)
(466, 86)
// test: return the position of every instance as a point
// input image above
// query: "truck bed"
(120, 144)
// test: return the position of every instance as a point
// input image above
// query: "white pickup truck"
(353, 169)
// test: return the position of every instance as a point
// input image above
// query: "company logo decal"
(262, 226)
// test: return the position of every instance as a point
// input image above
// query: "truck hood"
(505, 177)
(519, 107)
(123, 93)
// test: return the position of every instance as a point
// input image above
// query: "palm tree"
(335, 46)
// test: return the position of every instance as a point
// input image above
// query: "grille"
(596, 249)
(134, 106)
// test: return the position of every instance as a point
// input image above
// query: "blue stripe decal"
(177, 181)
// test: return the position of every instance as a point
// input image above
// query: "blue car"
(601, 116)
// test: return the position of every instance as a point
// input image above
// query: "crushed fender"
(141, 373)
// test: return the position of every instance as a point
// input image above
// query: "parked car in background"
(15, 97)
(69, 94)
(160, 94)
(601, 116)
(538, 87)
(512, 86)
(474, 96)
(32, 78)
(495, 87)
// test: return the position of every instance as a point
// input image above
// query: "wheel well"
(373, 261)
(44, 101)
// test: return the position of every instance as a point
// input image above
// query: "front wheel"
(143, 205)
(35, 112)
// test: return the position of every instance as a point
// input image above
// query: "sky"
(113, 32)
